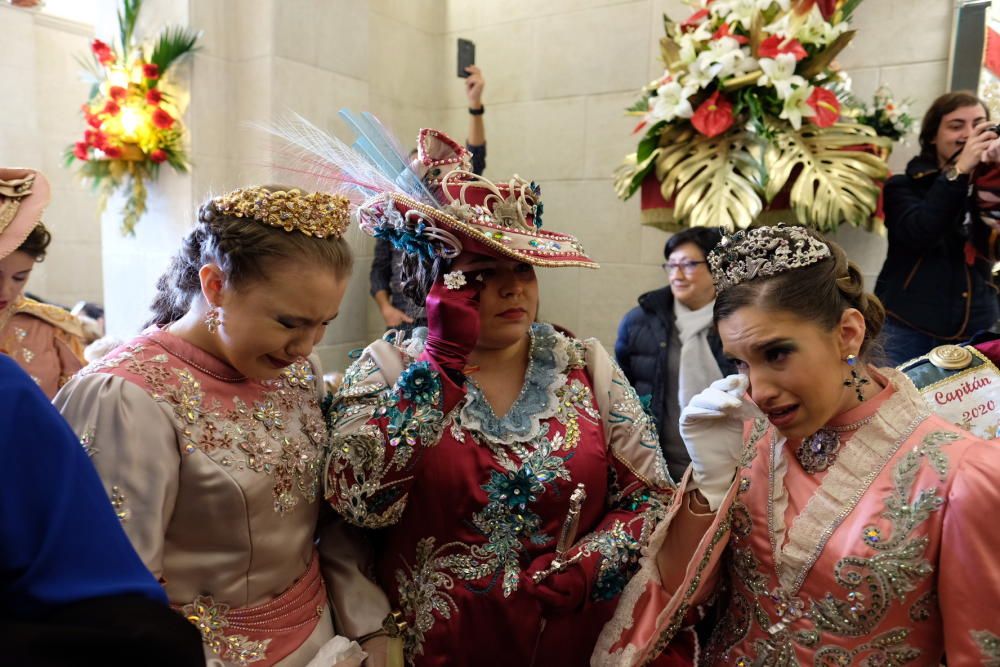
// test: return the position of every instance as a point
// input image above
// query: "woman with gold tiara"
(827, 517)
(509, 469)
(208, 434)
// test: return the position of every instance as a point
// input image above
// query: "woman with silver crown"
(207, 430)
(827, 518)
(509, 469)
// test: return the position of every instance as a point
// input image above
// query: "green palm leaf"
(174, 42)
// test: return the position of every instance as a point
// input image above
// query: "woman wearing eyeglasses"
(667, 345)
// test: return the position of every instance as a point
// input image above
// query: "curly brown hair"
(37, 242)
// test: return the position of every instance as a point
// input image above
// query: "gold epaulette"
(54, 315)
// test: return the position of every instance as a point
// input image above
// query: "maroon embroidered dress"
(466, 500)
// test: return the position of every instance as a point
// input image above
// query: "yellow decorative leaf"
(713, 181)
(834, 182)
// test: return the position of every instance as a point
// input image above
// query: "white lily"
(814, 29)
(672, 101)
(779, 72)
(697, 77)
(796, 106)
(722, 58)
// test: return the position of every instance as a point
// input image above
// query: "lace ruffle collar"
(537, 401)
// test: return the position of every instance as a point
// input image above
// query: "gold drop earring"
(855, 380)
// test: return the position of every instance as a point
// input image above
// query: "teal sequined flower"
(513, 489)
(420, 384)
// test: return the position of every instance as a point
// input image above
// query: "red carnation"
(112, 152)
(162, 119)
(94, 121)
(111, 108)
(117, 93)
(724, 31)
(774, 46)
(714, 116)
(103, 52)
(80, 151)
(151, 71)
(96, 138)
(154, 96)
(158, 156)
(827, 107)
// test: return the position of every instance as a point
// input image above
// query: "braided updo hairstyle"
(820, 292)
(245, 250)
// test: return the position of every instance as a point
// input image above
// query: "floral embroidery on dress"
(290, 453)
(210, 619)
(989, 647)
(87, 442)
(873, 584)
(118, 503)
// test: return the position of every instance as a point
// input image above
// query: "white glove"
(712, 428)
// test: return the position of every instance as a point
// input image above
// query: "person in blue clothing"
(667, 345)
(72, 589)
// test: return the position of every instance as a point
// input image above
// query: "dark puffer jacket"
(926, 282)
(641, 348)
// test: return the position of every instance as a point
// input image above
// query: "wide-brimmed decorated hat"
(503, 217)
(24, 194)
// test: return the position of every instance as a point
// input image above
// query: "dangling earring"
(213, 319)
(855, 380)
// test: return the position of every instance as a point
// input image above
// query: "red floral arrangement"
(749, 111)
(133, 114)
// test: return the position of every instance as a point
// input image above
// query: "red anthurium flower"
(827, 107)
(775, 46)
(80, 151)
(112, 152)
(826, 7)
(151, 71)
(103, 52)
(714, 116)
(158, 156)
(153, 96)
(111, 108)
(117, 93)
(724, 31)
(162, 119)
(695, 19)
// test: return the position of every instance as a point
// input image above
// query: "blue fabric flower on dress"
(420, 384)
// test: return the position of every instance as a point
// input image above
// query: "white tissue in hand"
(339, 652)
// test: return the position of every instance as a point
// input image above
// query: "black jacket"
(641, 348)
(925, 282)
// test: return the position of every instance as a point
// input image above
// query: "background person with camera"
(936, 283)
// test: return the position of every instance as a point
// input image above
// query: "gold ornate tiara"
(315, 214)
(762, 252)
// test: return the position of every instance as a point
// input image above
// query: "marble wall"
(559, 75)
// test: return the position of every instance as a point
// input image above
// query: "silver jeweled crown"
(761, 252)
